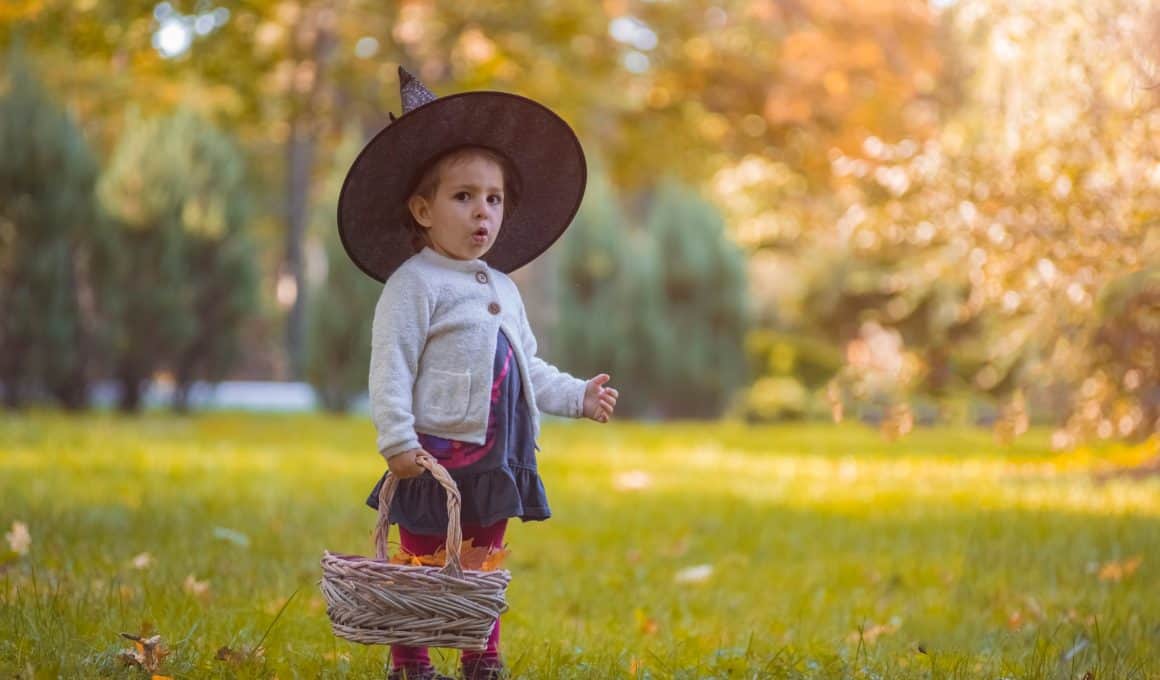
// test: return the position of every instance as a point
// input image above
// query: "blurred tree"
(342, 305)
(721, 81)
(50, 234)
(176, 186)
(683, 88)
(225, 280)
(599, 263)
(1121, 393)
(984, 244)
(700, 292)
(1040, 191)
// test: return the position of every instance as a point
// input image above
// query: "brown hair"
(430, 175)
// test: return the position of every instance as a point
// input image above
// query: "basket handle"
(453, 566)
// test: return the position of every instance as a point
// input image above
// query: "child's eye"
(462, 196)
(495, 199)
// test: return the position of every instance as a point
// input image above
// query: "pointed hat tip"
(404, 76)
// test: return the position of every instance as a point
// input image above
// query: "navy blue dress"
(497, 479)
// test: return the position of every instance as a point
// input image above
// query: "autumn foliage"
(471, 557)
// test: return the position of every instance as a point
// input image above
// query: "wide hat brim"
(372, 210)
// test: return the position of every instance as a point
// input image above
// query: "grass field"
(676, 551)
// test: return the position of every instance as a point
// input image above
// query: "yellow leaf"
(471, 556)
(1118, 571)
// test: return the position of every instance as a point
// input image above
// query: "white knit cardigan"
(433, 348)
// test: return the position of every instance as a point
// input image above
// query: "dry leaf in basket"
(471, 556)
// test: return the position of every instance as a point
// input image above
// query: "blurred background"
(897, 211)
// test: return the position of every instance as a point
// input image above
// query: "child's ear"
(420, 210)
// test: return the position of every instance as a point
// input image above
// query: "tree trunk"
(129, 378)
(313, 42)
(183, 379)
(13, 396)
(299, 162)
(181, 398)
(72, 390)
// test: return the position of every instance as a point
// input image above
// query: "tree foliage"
(662, 308)
(175, 185)
(955, 186)
(700, 290)
(605, 322)
(985, 245)
(50, 233)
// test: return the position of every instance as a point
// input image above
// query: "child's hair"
(427, 184)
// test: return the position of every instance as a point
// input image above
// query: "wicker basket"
(374, 602)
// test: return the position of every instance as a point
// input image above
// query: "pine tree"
(176, 187)
(663, 309)
(341, 307)
(596, 278)
(700, 290)
(48, 227)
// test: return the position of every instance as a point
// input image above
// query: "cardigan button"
(481, 277)
(493, 308)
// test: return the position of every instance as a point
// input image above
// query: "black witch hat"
(542, 148)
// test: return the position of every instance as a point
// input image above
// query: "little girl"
(473, 185)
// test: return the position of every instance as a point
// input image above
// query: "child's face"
(463, 217)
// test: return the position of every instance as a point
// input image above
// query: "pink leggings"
(422, 544)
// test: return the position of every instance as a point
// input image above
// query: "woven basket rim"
(419, 568)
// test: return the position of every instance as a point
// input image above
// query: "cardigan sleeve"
(398, 333)
(556, 392)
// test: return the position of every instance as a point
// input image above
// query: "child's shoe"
(416, 673)
(484, 669)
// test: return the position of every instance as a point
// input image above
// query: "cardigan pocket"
(443, 397)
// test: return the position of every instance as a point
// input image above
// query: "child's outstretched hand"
(599, 401)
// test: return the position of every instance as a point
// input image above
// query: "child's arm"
(398, 333)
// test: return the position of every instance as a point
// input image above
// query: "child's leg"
(403, 656)
(488, 659)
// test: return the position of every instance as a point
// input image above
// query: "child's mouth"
(480, 235)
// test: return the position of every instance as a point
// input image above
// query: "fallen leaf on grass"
(18, 538)
(645, 623)
(1015, 620)
(871, 634)
(677, 548)
(632, 480)
(697, 574)
(237, 657)
(147, 653)
(194, 587)
(1118, 571)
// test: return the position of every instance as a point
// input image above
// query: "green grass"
(833, 554)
